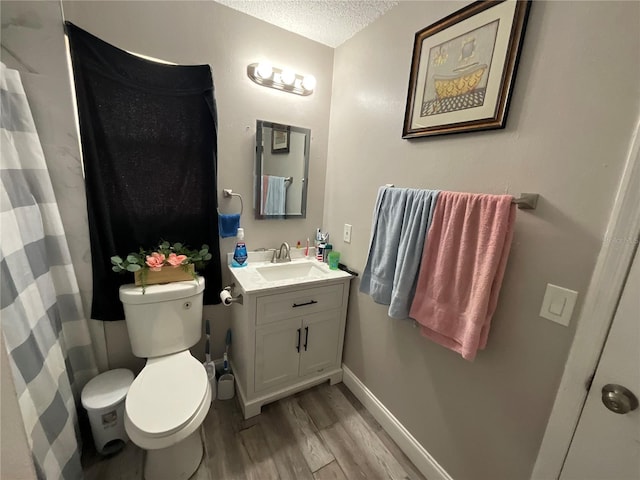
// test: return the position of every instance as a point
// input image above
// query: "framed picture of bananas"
(463, 69)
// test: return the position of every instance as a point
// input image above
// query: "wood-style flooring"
(320, 434)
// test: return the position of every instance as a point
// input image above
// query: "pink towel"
(463, 262)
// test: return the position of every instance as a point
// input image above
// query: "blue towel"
(276, 198)
(228, 224)
(401, 219)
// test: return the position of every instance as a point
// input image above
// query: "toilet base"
(177, 462)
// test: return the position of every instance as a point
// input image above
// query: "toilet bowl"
(165, 406)
(169, 399)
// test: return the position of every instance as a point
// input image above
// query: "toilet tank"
(165, 319)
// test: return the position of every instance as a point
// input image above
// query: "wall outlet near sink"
(346, 236)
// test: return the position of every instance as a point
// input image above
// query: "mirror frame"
(258, 168)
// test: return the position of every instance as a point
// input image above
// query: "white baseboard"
(407, 443)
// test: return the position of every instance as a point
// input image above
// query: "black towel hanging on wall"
(149, 145)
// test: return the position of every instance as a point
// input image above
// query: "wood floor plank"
(394, 449)
(316, 407)
(126, 465)
(360, 408)
(283, 446)
(231, 414)
(258, 450)
(330, 472)
(353, 460)
(313, 448)
(358, 429)
(308, 429)
(228, 457)
(203, 473)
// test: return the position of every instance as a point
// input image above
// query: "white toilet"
(168, 401)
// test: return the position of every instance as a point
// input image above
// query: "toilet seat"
(169, 396)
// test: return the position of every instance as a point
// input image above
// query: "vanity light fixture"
(287, 80)
(264, 70)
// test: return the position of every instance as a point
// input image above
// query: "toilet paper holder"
(227, 297)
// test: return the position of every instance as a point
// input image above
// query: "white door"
(606, 445)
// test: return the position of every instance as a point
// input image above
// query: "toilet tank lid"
(132, 294)
(107, 389)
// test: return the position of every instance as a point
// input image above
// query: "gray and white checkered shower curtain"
(44, 327)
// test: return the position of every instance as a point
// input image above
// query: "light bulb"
(264, 70)
(309, 82)
(288, 76)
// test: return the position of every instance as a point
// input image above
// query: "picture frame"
(463, 69)
(280, 138)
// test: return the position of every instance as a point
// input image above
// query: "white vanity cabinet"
(296, 348)
(287, 339)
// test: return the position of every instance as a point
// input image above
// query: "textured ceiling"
(330, 22)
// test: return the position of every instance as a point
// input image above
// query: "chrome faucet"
(278, 256)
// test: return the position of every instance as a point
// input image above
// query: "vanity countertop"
(258, 276)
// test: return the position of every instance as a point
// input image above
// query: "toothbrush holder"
(226, 386)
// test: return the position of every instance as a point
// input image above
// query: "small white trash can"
(103, 397)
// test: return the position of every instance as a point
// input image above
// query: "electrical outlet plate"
(347, 233)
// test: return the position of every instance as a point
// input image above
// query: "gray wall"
(574, 106)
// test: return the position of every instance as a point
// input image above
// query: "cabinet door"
(319, 350)
(277, 356)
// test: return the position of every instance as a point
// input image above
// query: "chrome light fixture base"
(275, 77)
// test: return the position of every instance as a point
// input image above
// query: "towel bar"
(227, 192)
(526, 201)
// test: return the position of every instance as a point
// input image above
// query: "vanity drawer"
(273, 308)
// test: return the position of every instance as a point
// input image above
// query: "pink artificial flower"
(155, 261)
(176, 260)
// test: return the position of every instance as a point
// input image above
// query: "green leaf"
(116, 260)
(116, 268)
(132, 267)
(207, 257)
(205, 247)
(203, 252)
(177, 246)
(165, 245)
(132, 259)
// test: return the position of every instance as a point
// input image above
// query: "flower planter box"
(166, 275)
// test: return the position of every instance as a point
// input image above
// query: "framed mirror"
(281, 171)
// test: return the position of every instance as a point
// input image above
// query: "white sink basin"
(261, 275)
(290, 271)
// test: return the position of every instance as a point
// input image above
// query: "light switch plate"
(347, 233)
(558, 304)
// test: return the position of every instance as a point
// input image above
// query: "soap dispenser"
(240, 252)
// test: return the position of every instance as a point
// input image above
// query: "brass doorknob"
(619, 399)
